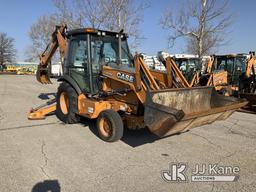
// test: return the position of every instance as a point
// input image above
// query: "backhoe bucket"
(42, 75)
(171, 111)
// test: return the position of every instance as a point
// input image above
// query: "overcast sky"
(18, 15)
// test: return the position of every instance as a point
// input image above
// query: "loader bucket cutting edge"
(168, 112)
(42, 75)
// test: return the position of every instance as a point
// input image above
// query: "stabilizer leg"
(43, 110)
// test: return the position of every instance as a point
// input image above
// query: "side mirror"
(107, 59)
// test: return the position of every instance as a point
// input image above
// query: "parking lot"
(47, 154)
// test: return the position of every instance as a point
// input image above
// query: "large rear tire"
(67, 106)
(110, 126)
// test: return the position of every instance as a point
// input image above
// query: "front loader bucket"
(42, 75)
(171, 111)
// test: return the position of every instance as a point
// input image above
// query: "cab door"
(77, 62)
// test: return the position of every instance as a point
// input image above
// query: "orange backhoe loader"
(192, 73)
(103, 81)
(231, 75)
(241, 77)
(210, 77)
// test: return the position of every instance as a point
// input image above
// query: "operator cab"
(188, 66)
(90, 49)
(235, 65)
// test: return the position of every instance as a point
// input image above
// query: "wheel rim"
(64, 103)
(105, 127)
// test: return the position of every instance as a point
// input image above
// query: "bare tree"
(127, 15)
(111, 15)
(81, 13)
(40, 36)
(7, 50)
(67, 13)
(202, 22)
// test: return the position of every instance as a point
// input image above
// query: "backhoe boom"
(59, 40)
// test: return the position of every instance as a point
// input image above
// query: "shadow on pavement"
(46, 96)
(133, 138)
(47, 186)
(136, 138)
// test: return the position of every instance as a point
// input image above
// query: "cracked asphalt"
(47, 155)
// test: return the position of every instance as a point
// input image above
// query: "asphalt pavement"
(47, 155)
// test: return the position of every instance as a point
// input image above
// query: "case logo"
(125, 77)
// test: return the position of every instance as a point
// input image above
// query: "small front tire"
(110, 126)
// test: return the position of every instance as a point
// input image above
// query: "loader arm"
(196, 79)
(171, 65)
(144, 80)
(250, 64)
(174, 77)
(58, 40)
(210, 64)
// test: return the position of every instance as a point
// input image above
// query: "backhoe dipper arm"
(59, 39)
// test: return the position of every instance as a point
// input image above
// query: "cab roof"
(93, 31)
(232, 55)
